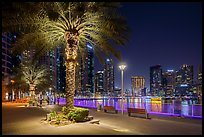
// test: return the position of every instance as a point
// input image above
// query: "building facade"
(6, 65)
(99, 84)
(85, 74)
(169, 82)
(109, 82)
(156, 80)
(137, 84)
(199, 82)
(61, 71)
(50, 61)
(8, 62)
(184, 81)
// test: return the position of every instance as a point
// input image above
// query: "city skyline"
(165, 33)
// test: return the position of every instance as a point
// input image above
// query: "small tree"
(32, 74)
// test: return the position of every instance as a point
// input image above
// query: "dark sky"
(169, 34)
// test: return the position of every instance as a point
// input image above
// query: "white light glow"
(122, 67)
(170, 70)
(89, 46)
(184, 85)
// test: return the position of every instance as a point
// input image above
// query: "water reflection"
(189, 108)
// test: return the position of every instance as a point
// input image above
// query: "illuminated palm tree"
(32, 74)
(69, 25)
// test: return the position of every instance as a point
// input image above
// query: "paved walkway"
(17, 119)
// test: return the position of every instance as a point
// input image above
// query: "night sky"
(169, 34)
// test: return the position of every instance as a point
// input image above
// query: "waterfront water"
(187, 108)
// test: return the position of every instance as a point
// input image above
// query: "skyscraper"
(169, 81)
(109, 77)
(99, 83)
(137, 84)
(199, 76)
(199, 82)
(79, 78)
(90, 69)
(61, 71)
(8, 62)
(184, 80)
(6, 54)
(85, 73)
(156, 80)
(49, 60)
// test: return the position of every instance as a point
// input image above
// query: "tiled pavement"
(26, 121)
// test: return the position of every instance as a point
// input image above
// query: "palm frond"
(44, 29)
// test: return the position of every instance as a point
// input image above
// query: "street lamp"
(122, 68)
(12, 90)
(50, 91)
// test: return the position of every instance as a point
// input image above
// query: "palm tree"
(32, 74)
(69, 25)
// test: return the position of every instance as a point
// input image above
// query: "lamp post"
(122, 68)
(12, 90)
(50, 96)
(50, 91)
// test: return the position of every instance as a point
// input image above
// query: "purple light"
(193, 111)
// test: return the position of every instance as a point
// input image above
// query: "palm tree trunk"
(70, 62)
(70, 84)
(32, 91)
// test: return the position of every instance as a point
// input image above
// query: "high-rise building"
(144, 91)
(99, 83)
(184, 81)
(199, 76)
(61, 71)
(199, 82)
(109, 77)
(49, 60)
(8, 62)
(156, 80)
(90, 69)
(6, 54)
(137, 84)
(85, 73)
(79, 78)
(169, 81)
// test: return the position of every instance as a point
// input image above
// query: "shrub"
(64, 110)
(53, 114)
(58, 119)
(78, 114)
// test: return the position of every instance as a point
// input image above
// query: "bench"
(111, 108)
(138, 111)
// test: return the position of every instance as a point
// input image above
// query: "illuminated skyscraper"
(49, 60)
(109, 77)
(6, 54)
(199, 81)
(61, 71)
(99, 83)
(90, 68)
(169, 82)
(199, 76)
(8, 62)
(79, 78)
(85, 73)
(137, 84)
(156, 80)
(184, 81)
